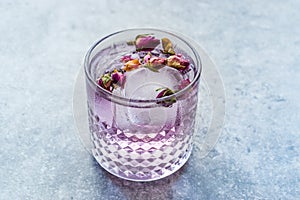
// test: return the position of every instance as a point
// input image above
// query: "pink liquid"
(141, 143)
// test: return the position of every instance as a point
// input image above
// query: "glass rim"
(114, 97)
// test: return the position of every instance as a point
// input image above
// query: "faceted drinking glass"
(135, 135)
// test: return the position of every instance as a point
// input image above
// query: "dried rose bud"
(146, 42)
(167, 46)
(126, 58)
(158, 61)
(177, 62)
(105, 82)
(163, 93)
(118, 78)
(132, 64)
(155, 63)
(184, 83)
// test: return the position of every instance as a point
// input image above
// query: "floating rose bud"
(126, 58)
(177, 62)
(105, 82)
(167, 46)
(118, 78)
(155, 63)
(132, 64)
(146, 42)
(163, 93)
(158, 61)
(184, 83)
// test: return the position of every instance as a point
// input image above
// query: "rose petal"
(146, 42)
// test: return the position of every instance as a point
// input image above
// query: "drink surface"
(142, 143)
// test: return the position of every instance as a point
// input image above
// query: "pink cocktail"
(142, 89)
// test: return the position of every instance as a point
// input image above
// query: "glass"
(137, 136)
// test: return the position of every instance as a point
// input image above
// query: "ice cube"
(142, 83)
(145, 120)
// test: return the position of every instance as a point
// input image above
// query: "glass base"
(141, 175)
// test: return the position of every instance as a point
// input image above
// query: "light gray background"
(255, 44)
